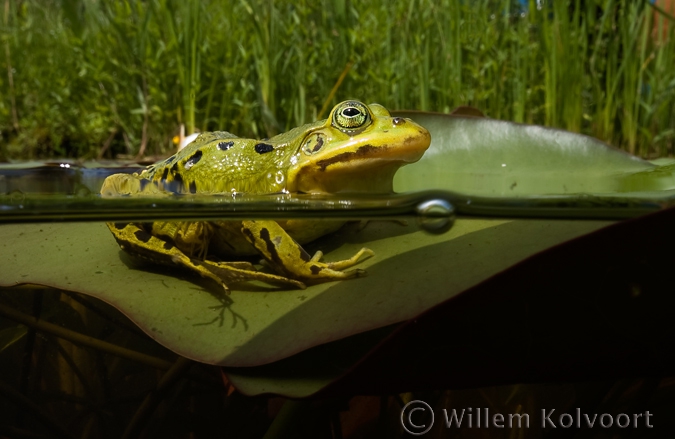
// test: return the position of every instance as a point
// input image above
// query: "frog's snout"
(419, 139)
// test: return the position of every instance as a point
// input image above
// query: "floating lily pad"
(487, 157)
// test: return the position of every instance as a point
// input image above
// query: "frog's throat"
(365, 168)
(373, 178)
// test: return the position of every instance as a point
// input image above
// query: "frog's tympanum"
(357, 149)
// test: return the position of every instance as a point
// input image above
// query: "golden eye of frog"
(357, 149)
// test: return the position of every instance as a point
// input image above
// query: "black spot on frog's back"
(224, 146)
(262, 148)
(194, 159)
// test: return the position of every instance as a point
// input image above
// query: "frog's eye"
(350, 116)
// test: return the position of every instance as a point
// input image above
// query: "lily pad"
(412, 271)
(488, 157)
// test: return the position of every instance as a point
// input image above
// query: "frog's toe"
(317, 256)
(341, 265)
(236, 272)
(323, 273)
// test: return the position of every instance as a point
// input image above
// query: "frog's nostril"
(398, 121)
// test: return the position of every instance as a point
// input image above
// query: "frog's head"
(359, 148)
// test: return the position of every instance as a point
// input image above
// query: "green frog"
(357, 149)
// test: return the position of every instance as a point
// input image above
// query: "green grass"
(78, 75)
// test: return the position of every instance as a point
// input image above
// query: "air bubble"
(436, 216)
(279, 178)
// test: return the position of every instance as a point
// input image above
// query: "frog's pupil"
(350, 112)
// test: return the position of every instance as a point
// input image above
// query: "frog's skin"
(357, 149)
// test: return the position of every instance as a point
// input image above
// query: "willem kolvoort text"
(482, 418)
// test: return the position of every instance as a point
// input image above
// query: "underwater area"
(436, 218)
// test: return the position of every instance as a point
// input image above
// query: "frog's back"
(220, 162)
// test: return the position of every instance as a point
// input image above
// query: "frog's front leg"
(193, 238)
(288, 257)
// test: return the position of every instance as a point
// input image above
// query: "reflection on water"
(33, 192)
(64, 177)
(66, 191)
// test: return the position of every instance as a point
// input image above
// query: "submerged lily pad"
(411, 272)
(596, 307)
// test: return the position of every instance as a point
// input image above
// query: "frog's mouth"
(364, 156)
(359, 168)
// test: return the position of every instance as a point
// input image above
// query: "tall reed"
(77, 75)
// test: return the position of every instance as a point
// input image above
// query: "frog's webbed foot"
(287, 256)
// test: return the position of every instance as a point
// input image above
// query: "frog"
(357, 149)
